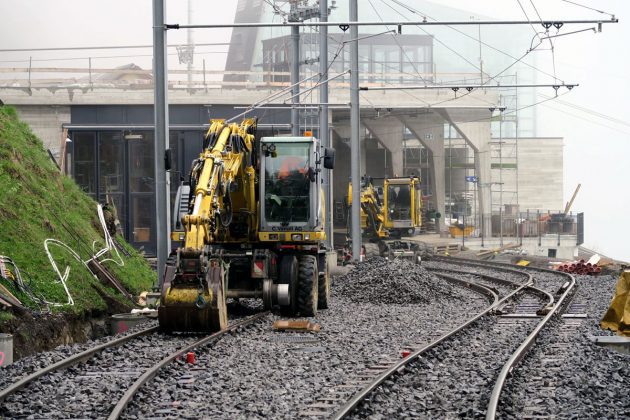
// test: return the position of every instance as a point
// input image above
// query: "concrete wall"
(46, 121)
(567, 250)
(540, 174)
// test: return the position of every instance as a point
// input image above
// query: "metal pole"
(501, 176)
(450, 174)
(295, 76)
(189, 41)
(323, 115)
(162, 206)
(464, 210)
(355, 146)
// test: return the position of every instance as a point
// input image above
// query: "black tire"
(307, 290)
(323, 290)
(288, 274)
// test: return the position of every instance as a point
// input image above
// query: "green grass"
(36, 203)
(5, 316)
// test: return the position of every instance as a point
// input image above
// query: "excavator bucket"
(617, 317)
(191, 308)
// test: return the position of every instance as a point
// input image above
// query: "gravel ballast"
(260, 373)
(566, 374)
(400, 282)
(376, 310)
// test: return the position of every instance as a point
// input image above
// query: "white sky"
(596, 149)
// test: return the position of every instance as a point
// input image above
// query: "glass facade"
(116, 167)
(404, 59)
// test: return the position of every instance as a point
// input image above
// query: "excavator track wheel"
(307, 290)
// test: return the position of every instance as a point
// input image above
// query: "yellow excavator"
(402, 206)
(398, 212)
(252, 226)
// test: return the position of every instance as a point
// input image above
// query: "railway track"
(352, 368)
(517, 315)
(271, 374)
(88, 383)
(566, 375)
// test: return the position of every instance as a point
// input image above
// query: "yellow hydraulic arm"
(225, 164)
(372, 216)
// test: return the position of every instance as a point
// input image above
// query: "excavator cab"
(403, 205)
(291, 197)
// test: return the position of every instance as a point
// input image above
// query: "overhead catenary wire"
(590, 111)
(402, 50)
(588, 7)
(549, 38)
(110, 47)
(415, 11)
(350, 23)
(583, 118)
(435, 38)
(527, 17)
(397, 113)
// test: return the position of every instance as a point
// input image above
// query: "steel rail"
(542, 292)
(516, 357)
(71, 360)
(153, 371)
(364, 392)
(492, 264)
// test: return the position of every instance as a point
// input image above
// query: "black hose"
(227, 214)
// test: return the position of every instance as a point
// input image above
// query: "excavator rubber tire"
(288, 274)
(307, 290)
(323, 290)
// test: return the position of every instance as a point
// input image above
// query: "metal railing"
(125, 78)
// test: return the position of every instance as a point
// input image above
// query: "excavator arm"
(372, 213)
(222, 179)
(226, 160)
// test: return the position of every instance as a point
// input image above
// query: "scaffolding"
(504, 162)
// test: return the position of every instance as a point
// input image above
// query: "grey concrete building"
(442, 135)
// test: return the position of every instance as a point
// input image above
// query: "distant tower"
(244, 44)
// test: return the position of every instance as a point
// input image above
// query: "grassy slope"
(36, 203)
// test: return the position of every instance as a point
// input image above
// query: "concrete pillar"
(474, 126)
(429, 130)
(389, 131)
(343, 131)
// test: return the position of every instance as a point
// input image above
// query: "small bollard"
(190, 358)
(6, 350)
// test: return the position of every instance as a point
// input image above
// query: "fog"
(597, 136)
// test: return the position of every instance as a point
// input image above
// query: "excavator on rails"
(384, 220)
(252, 226)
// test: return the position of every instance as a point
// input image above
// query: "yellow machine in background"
(252, 226)
(396, 209)
(372, 214)
(402, 205)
